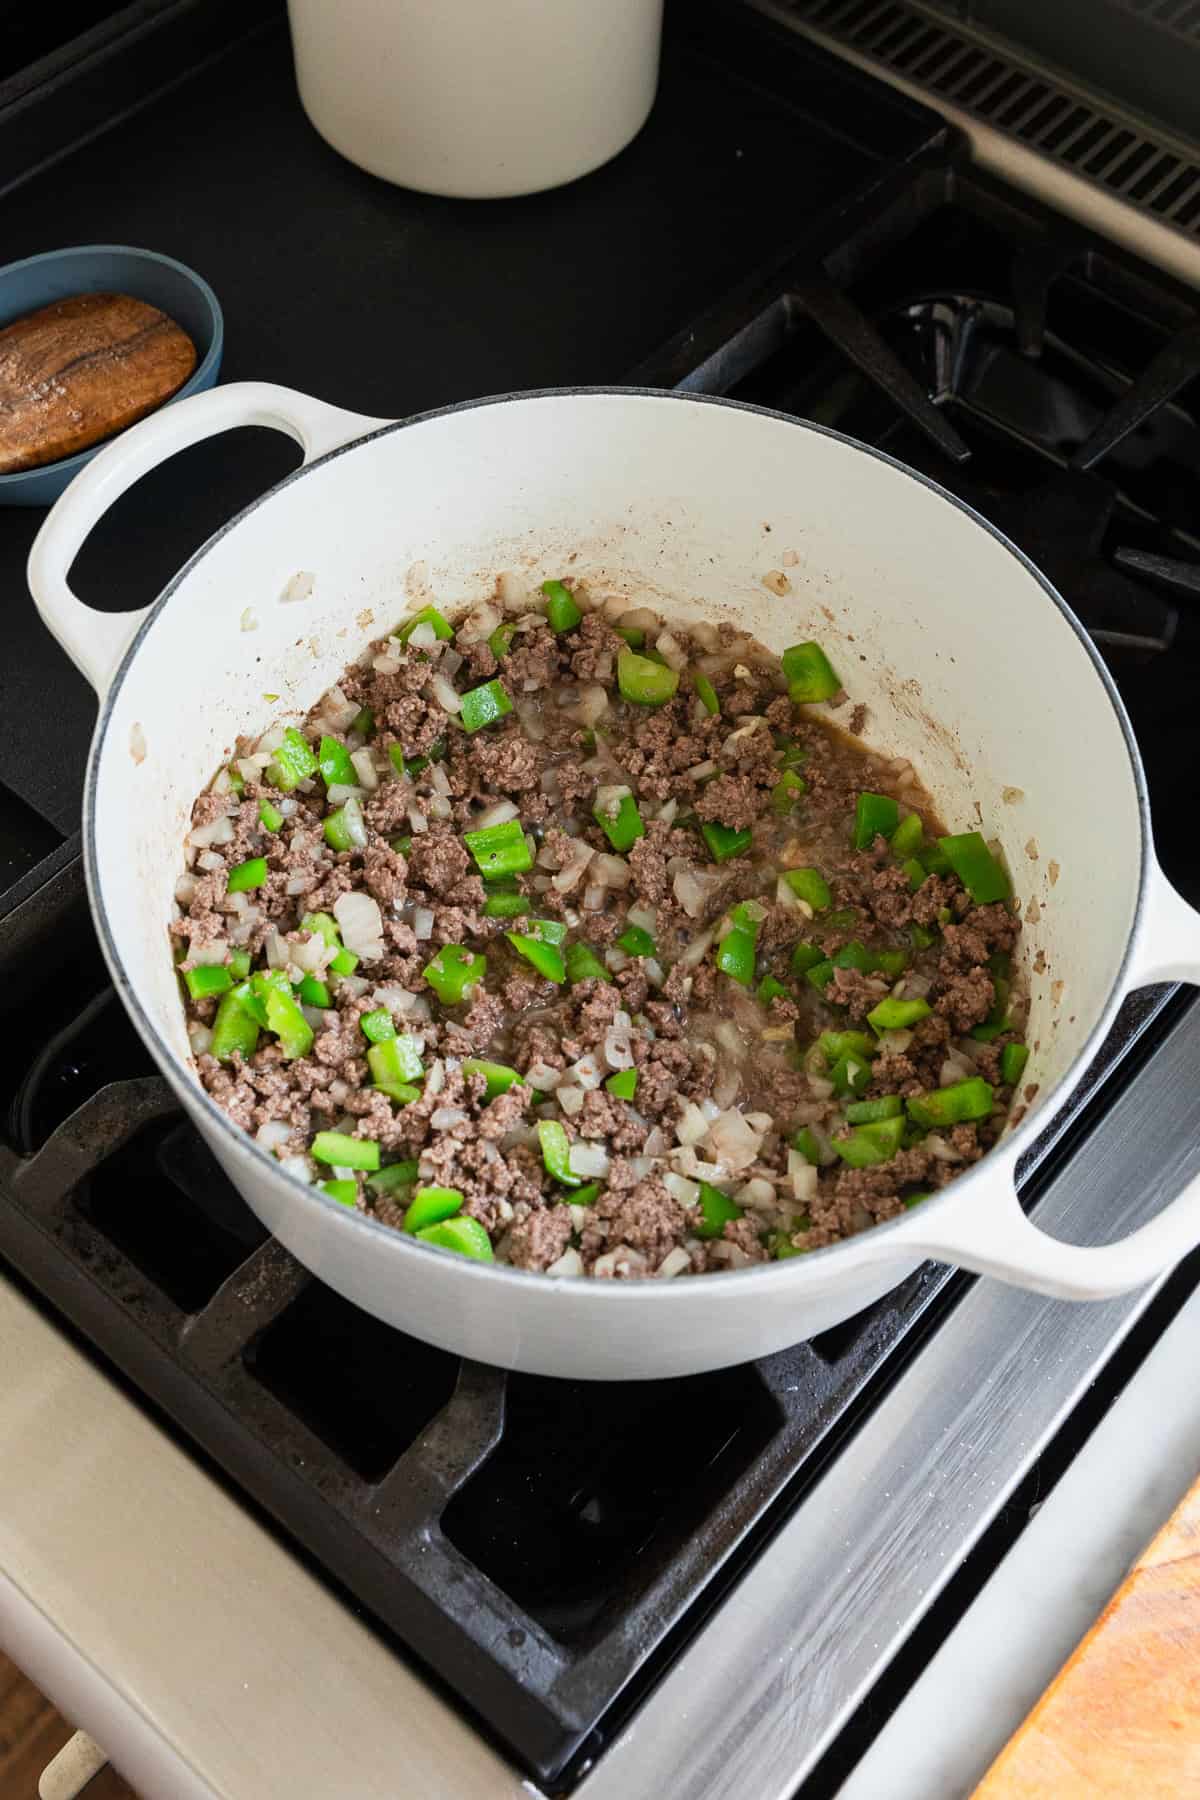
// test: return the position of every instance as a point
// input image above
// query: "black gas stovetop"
(786, 232)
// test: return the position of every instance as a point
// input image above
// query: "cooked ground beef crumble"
(664, 1016)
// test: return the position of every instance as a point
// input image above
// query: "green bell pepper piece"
(623, 1084)
(805, 1142)
(378, 1025)
(874, 815)
(453, 972)
(891, 962)
(644, 681)
(723, 842)
(954, 1105)
(239, 964)
(430, 1205)
(984, 878)
(836, 1044)
(921, 936)
(855, 956)
(386, 1062)
(207, 979)
(233, 1029)
(636, 941)
(806, 957)
(906, 839)
(706, 693)
(748, 916)
(562, 613)
(344, 963)
(769, 989)
(622, 827)
(396, 1175)
(735, 956)
(634, 636)
(292, 761)
(809, 674)
(270, 817)
(850, 1075)
(916, 872)
(499, 849)
(315, 993)
(484, 705)
(868, 1144)
(346, 1152)
(344, 1192)
(500, 642)
(464, 1235)
(333, 760)
(581, 1196)
(396, 757)
(716, 1210)
(1013, 1058)
(787, 791)
(582, 964)
(247, 875)
(498, 1076)
(237, 780)
(547, 959)
(363, 722)
(810, 886)
(897, 1015)
(869, 1112)
(288, 1023)
(428, 615)
(556, 1152)
(505, 906)
(819, 975)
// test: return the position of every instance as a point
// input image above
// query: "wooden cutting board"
(31, 1735)
(1122, 1718)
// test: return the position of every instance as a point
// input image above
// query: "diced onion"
(618, 1052)
(215, 951)
(217, 831)
(686, 1192)
(587, 1071)
(541, 1076)
(732, 1141)
(422, 636)
(589, 1160)
(299, 1166)
(339, 792)
(361, 924)
(447, 697)
(675, 1262)
(272, 1134)
(692, 1124)
(299, 587)
(622, 1257)
(667, 812)
(444, 1118)
(803, 1176)
(699, 770)
(499, 814)
(479, 623)
(592, 703)
(758, 1193)
(570, 1098)
(569, 1263)
(609, 871)
(364, 768)
(199, 1037)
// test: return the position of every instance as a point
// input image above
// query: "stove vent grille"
(988, 83)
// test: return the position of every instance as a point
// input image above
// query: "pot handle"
(998, 1239)
(96, 641)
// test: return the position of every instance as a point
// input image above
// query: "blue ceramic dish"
(108, 269)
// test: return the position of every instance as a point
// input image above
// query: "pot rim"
(798, 1271)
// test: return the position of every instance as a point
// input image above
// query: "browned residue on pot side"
(1054, 872)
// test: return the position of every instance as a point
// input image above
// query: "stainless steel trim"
(751, 1706)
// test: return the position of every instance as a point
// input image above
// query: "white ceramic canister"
(477, 99)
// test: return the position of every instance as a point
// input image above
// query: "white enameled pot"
(969, 662)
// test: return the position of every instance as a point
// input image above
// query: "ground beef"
(540, 1239)
(697, 1034)
(647, 1217)
(731, 800)
(966, 998)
